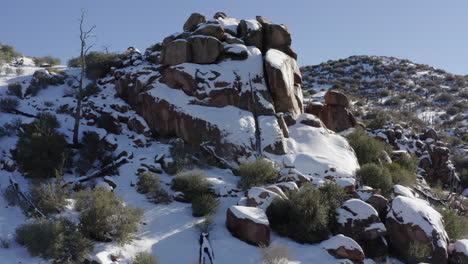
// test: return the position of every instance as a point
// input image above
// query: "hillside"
(201, 150)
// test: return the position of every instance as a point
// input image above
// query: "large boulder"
(412, 222)
(251, 32)
(248, 224)
(176, 52)
(212, 30)
(380, 204)
(334, 114)
(284, 82)
(205, 49)
(343, 247)
(193, 21)
(336, 99)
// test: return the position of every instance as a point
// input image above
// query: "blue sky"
(433, 32)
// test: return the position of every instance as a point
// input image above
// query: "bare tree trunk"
(84, 36)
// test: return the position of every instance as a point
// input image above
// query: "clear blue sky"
(433, 32)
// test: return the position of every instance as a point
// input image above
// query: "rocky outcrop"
(213, 79)
(411, 223)
(343, 247)
(334, 113)
(360, 221)
(249, 224)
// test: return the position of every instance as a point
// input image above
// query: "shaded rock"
(220, 15)
(459, 252)
(310, 120)
(283, 78)
(205, 50)
(251, 32)
(314, 108)
(412, 221)
(176, 52)
(336, 98)
(430, 133)
(380, 204)
(178, 79)
(343, 247)
(211, 30)
(236, 51)
(337, 118)
(193, 21)
(248, 224)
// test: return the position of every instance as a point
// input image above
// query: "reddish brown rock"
(337, 118)
(336, 99)
(314, 109)
(176, 52)
(193, 21)
(343, 247)
(248, 224)
(205, 49)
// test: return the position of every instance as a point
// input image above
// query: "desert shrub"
(59, 240)
(90, 90)
(408, 162)
(65, 109)
(99, 64)
(394, 101)
(145, 258)
(418, 252)
(8, 53)
(305, 215)
(192, 183)
(8, 104)
(444, 98)
(107, 122)
(375, 176)
(49, 198)
(453, 110)
(104, 217)
(150, 185)
(377, 119)
(256, 173)
(275, 254)
(401, 175)
(367, 148)
(204, 204)
(15, 89)
(186, 157)
(46, 60)
(455, 225)
(91, 151)
(41, 150)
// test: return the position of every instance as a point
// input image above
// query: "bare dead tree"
(85, 35)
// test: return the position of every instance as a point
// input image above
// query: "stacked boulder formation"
(334, 114)
(230, 86)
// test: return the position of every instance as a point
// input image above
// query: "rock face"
(249, 224)
(360, 221)
(343, 247)
(459, 252)
(412, 222)
(334, 114)
(207, 80)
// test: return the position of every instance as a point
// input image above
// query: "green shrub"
(377, 119)
(401, 175)
(90, 90)
(306, 215)
(58, 240)
(104, 217)
(257, 173)
(107, 122)
(455, 225)
(192, 183)
(367, 148)
(408, 162)
(8, 104)
(145, 258)
(185, 157)
(41, 151)
(375, 176)
(49, 198)
(204, 204)
(8, 53)
(150, 185)
(418, 252)
(46, 60)
(15, 89)
(98, 64)
(445, 98)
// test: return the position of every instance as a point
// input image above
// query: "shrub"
(65, 109)
(104, 217)
(456, 226)
(41, 151)
(185, 157)
(305, 215)
(99, 64)
(401, 175)
(8, 104)
(408, 162)
(92, 150)
(58, 240)
(150, 185)
(90, 90)
(204, 204)
(377, 119)
(367, 148)
(192, 183)
(19, 71)
(145, 258)
(107, 122)
(445, 98)
(418, 252)
(256, 173)
(8, 53)
(453, 110)
(49, 198)
(46, 60)
(375, 176)
(15, 89)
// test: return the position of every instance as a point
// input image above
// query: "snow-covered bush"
(104, 217)
(257, 173)
(367, 148)
(145, 258)
(204, 204)
(59, 240)
(150, 185)
(192, 183)
(49, 198)
(15, 89)
(375, 176)
(306, 215)
(8, 104)
(41, 150)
